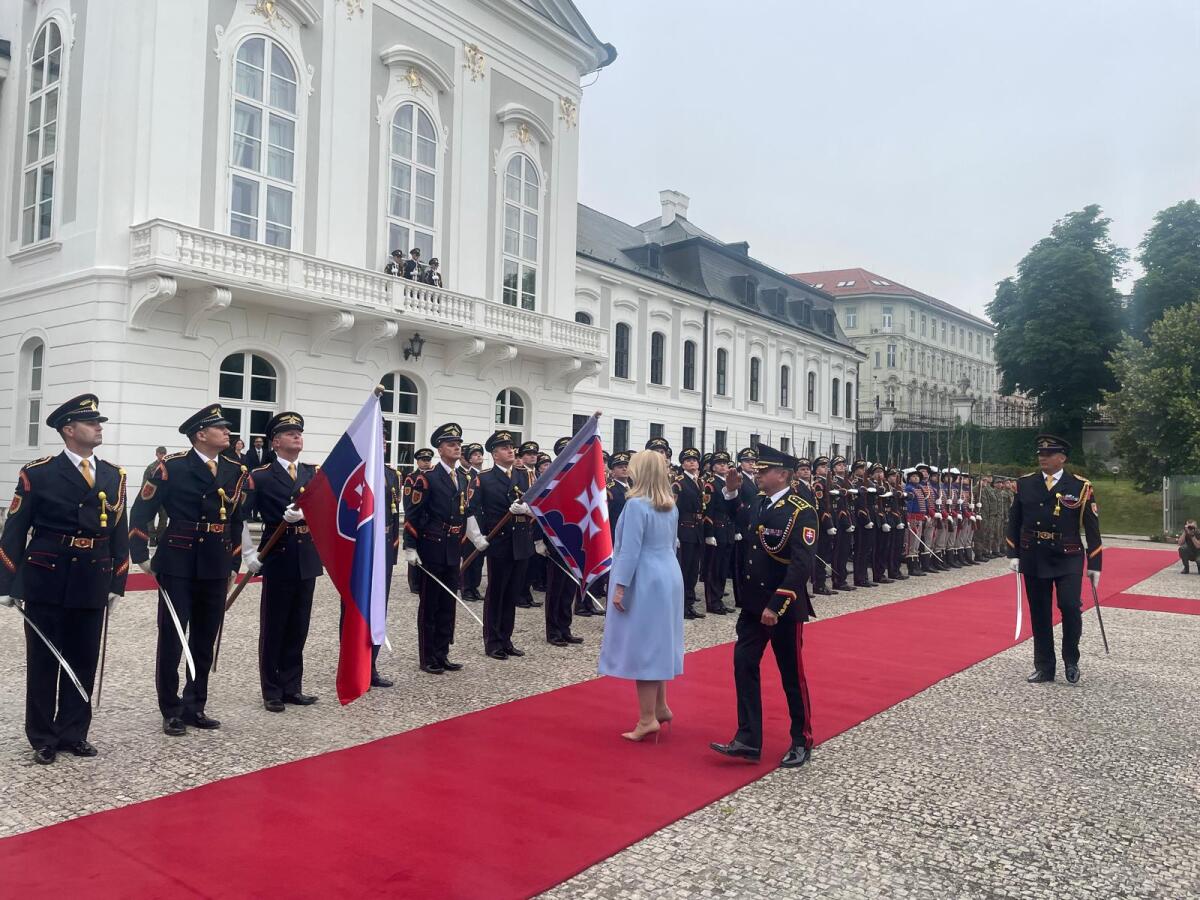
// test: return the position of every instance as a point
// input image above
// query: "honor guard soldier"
(843, 520)
(473, 575)
(562, 590)
(897, 519)
(289, 570)
(435, 519)
(774, 606)
(914, 518)
(615, 488)
(823, 500)
(496, 494)
(202, 493)
(423, 460)
(661, 447)
(747, 464)
(529, 460)
(1052, 518)
(720, 526)
(863, 494)
(689, 500)
(67, 574)
(881, 533)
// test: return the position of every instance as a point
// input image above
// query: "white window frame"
(754, 380)
(504, 401)
(721, 373)
(244, 404)
(28, 420)
(891, 356)
(627, 375)
(522, 262)
(395, 418)
(38, 165)
(887, 316)
(785, 386)
(410, 224)
(851, 317)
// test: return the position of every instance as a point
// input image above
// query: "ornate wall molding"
(323, 328)
(370, 334)
(461, 352)
(496, 356)
(475, 61)
(147, 296)
(202, 305)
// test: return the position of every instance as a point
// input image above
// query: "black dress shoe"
(717, 610)
(379, 681)
(496, 654)
(43, 756)
(472, 595)
(795, 758)
(453, 666)
(174, 726)
(1073, 674)
(1038, 677)
(583, 611)
(274, 705)
(865, 584)
(823, 590)
(844, 587)
(882, 579)
(513, 651)
(738, 750)
(201, 721)
(572, 639)
(535, 603)
(524, 605)
(689, 613)
(432, 669)
(81, 748)
(299, 699)
(557, 642)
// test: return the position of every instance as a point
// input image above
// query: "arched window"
(785, 386)
(689, 365)
(249, 392)
(583, 318)
(41, 136)
(849, 400)
(658, 352)
(400, 404)
(755, 378)
(722, 372)
(812, 391)
(522, 193)
(621, 350)
(412, 178)
(510, 413)
(836, 396)
(29, 406)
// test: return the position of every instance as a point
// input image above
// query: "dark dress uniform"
(824, 502)
(779, 556)
(1047, 532)
(76, 558)
(843, 521)
(435, 518)
(472, 576)
(199, 552)
(863, 495)
(880, 506)
(689, 500)
(720, 525)
(896, 507)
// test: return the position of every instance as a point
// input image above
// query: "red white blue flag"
(571, 504)
(345, 506)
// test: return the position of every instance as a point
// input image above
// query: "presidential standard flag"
(345, 507)
(571, 504)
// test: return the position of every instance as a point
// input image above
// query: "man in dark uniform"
(661, 447)
(435, 517)
(747, 463)
(863, 495)
(843, 521)
(689, 501)
(894, 501)
(774, 606)
(289, 570)
(391, 481)
(202, 493)
(719, 528)
(823, 500)
(879, 502)
(528, 462)
(73, 568)
(473, 574)
(1052, 517)
(497, 493)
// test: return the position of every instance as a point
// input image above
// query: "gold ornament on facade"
(523, 134)
(415, 82)
(568, 111)
(269, 10)
(475, 61)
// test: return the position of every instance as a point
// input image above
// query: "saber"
(571, 575)
(1020, 607)
(1099, 618)
(187, 651)
(453, 594)
(828, 567)
(103, 657)
(926, 546)
(66, 666)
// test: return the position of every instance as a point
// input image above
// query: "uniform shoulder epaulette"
(263, 467)
(610, 484)
(1032, 474)
(799, 502)
(180, 455)
(41, 461)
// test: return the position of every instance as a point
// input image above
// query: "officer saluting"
(202, 493)
(1054, 511)
(289, 570)
(774, 605)
(75, 564)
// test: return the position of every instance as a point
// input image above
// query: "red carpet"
(514, 799)
(1154, 603)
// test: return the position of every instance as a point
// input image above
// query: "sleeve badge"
(149, 489)
(15, 505)
(810, 536)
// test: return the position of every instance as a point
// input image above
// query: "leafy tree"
(1157, 409)
(1059, 320)
(1170, 254)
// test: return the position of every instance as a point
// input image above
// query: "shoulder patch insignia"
(179, 455)
(15, 505)
(416, 496)
(407, 488)
(149, 489)
(810, 536)
(41, 461)
(261, 468)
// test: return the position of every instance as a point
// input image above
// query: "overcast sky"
(931, 142)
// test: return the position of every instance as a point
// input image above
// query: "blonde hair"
(648, 472)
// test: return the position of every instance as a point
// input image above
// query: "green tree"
(1170, 254)
(1157, 409)
(1059, 320)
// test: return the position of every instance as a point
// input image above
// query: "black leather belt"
(76, 542)
(297, 529)
(209, 527)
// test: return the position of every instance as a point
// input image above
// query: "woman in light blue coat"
(643, 633)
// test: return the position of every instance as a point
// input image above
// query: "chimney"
(673, 204)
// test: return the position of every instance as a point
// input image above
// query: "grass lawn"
(1124, 510)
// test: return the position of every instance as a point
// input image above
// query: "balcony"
(209, 270)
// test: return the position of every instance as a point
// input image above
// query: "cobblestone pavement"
(1118, 814)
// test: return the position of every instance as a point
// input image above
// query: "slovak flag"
(345, 506)
(571, 504)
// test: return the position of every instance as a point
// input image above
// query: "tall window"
(578, 420)
(689, 365)
(583, 318)
(620, 435)
(891, 356)
(262, 162)
(720, 440)
(656, 429)
(400, 404)
(887, 317)
(722, 371)
(755, 378)
(689, 436)
(249, 391)
(785, 444)
(658, 350)
(812, 392)
(785, 386)
(510, 413)
(33, 364)
(912, 320)
(412, 181)
(851, 317)
(836, 396)
(849, 400)
(621, 350)
(943, 332)
(521, 194)
(924, 321)
(41, 136)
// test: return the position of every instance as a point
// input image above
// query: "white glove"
(1014, 565)
(960, 517)
(937, 516)
(145, 567)
(854, 491)
(113, 600)
(831, 531)
(900, 526)
(939, 501)
(291, 515)
(6, 600)
(474, 535)
(410, 557)
(870, 525)
(711, 541)
(888, 494)
(1094, 574)
(887, 527)
(737, 537)
(539, 547)
(520, 508)
(835, 492)
(677, 544)
(253, 563)
(850, 530)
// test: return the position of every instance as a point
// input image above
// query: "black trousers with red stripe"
(787, 641)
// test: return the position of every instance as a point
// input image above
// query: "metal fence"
(1181, 501)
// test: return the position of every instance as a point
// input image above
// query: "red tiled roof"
(862, 282)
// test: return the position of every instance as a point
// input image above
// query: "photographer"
(1189, 546)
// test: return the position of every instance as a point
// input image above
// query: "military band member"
(473, 576)
(435, 519)
(289, 570)
(1053, 517)
(562, 590)
(689, 501)
(719, 528)
(202, 492)
(74, 566)
(774, 605)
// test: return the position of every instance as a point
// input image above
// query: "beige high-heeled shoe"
(639, 733)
